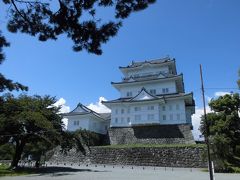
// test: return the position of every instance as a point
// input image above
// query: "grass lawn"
(5, 171)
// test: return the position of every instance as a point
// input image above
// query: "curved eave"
(169, 62)
(66, 115)
(164, 62)
(108, 103)
(75, 114)
(118, 84)
(98, 116)
(165, 98)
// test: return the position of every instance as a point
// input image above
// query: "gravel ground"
(101, 172)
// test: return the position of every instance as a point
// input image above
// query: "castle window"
(170, 107)
(165, 90)
(171, 117)
(128, 119)
(137, 108)
(150, 116)
(76, 123)
(177, 106)
(178, 116)
(128, 110)
(116, 111)
(153, 91)
(163, 108)
(150, 107)
(129, 94)
(164, 117)
(116, 120)
(122, 111)
(137, 117)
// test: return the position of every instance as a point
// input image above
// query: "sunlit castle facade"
(151, 93)
(84, 118)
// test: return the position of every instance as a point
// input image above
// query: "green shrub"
(6, 151)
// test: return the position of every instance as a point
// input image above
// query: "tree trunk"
(18, 153)
(37, 164)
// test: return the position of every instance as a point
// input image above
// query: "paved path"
(118, 173)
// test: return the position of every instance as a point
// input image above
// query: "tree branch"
(24, 17)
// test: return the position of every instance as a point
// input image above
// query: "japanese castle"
(153, 106)
(151, 93)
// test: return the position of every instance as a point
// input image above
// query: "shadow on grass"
(53, 171)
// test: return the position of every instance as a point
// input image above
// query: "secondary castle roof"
(144, 96)
(160, 76)
(83, 110)
(153, 78)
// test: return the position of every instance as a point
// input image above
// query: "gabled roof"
(83, 110)
(143, 95)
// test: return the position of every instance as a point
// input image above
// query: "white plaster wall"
(98, 126)
(90, 123)
(170, 110)
(83, 123)
(129, 113)
(147, 69)
(171, 85)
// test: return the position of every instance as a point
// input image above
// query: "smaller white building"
(84, 118)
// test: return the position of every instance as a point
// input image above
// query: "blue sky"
(194, 32)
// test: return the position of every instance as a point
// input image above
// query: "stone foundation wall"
(155, 134)
(139, 156)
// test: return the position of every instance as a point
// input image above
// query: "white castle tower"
(153, 107)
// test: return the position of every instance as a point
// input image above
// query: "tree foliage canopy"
(224, 127)
(78, 19)
(7, 84)
(31, 120)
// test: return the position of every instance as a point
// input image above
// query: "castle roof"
(144, 96)
(160, 76)
(156, 62)
(151, 78)
(83, 110)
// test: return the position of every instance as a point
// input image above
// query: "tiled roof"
(157, 97)
(156, 61)
(147, 78)
(83, 110)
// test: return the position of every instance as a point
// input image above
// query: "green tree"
(77, 19)
(7, 84)
(29, 120)
(224, 129)
(80, 20)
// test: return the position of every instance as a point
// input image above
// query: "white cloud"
(98, 106)
(196, 119)
(65, 122)
(64, 109)
(220, 93)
